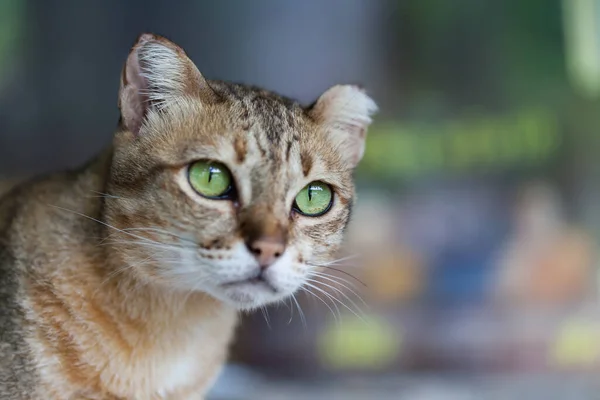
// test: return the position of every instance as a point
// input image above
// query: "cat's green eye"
(314, 199)
(210, 179)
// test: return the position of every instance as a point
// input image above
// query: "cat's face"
(227, 189)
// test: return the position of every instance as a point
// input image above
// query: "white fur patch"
(346, 110)
(346, 105)
(163, 70)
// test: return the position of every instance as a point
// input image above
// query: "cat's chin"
(248, 294)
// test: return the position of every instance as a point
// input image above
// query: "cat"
(123, 279)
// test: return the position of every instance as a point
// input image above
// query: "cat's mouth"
(257, 280)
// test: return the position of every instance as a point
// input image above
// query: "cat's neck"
(157, 310)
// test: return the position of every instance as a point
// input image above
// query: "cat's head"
(228, 189)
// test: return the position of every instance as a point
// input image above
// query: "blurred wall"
(59, 78)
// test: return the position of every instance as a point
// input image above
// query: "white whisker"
(337, 281)
(265, 314)
(334, 262)
(345, 296)
(161, 231)
(195, 287)
(327, 296)
(334, 298)
(291, 311)
(335, 316)
(156, 246)
(104, 223)
(300, 312)
(341, 271)
(121, 270)
(105, 195)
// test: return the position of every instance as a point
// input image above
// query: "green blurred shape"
(582, 41)
(526, 139)
(358, 344)
(11, 24)
(577, 345)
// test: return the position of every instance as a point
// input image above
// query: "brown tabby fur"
(112, 276)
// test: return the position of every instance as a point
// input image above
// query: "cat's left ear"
(156, 74)
(345, 112)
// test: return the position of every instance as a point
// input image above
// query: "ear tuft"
(156, 74)
(345, 111)
(162, 67)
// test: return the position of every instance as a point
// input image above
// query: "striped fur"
(114, 277)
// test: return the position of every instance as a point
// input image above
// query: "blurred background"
(474, 243)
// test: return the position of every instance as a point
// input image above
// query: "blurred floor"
(236, 383)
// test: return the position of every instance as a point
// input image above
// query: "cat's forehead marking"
(288, 148)
(307, 162)
(240, 147)
(268, 139)
(273, 118)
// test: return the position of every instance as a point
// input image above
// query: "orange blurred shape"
(394, 276)
(563, 273)
(558, 272)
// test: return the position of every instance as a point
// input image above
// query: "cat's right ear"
(156, 74)
(345, 111)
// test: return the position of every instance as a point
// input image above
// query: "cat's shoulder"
(32, 197)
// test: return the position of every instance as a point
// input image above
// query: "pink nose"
(266, 250)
